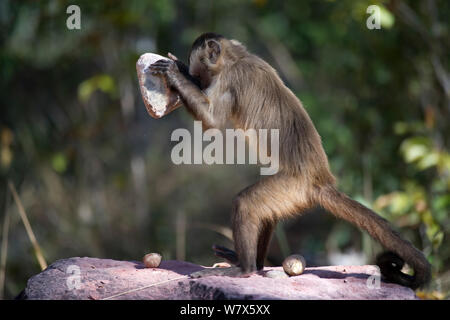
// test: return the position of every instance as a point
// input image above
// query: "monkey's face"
(204, 62)
(199, 69)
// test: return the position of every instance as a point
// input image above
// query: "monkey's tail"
(399, 250)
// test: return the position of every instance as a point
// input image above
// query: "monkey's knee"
(244, 216)
(239, 202)
(237, 209)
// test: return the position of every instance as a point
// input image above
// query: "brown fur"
(243, 88)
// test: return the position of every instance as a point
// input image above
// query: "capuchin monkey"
(224, 82)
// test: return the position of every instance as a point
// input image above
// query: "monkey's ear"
(213, 49)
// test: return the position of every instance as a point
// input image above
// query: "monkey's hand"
(174, 71)
(184, 69)
(188, 88)
(168, 69)
(224, 272)
(171, 56)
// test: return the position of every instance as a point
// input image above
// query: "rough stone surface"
(158, 97)
(91, 278)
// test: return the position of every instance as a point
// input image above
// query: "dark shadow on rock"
(139, 265)
(327, 274)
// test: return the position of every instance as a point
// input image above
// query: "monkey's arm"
(194, 99)
(184, 69)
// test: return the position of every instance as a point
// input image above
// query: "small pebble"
(221, 265)
(152, 260)
(275, 274)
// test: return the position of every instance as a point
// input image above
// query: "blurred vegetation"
(93, 170)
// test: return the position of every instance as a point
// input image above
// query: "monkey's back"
(276, 107)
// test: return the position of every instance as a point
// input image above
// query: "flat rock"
(92, 278)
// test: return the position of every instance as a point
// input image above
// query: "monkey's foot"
(225, 272)
(226, 254)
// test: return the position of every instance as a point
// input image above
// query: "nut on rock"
(294, 265)
(152, 260)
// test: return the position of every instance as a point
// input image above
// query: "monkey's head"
(206, 57)
(210, 54)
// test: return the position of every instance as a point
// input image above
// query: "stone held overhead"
(158, 97)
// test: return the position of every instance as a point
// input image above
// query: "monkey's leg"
(265, 235)
(245, 235)
(261, 206)
(255, 211)
(263, 244)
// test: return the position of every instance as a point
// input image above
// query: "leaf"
(415, 148)
(437, 239)
(428, 160)
(59, 162)
(401, 127)
(387, 19)
(400, 203)
(102, 82)
(441, 202)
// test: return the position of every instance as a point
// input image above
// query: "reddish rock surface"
(91, 278)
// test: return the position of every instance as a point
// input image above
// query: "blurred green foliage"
(93, 169)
